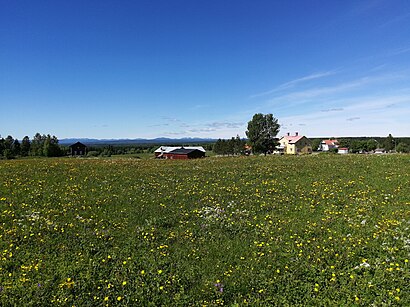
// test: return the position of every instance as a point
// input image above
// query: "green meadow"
(315, 230)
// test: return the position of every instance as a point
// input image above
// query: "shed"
(184, 154)
(163, 150)
(343, 150)
(78, 149)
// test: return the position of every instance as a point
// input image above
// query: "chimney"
(297, 133)
(288, 134)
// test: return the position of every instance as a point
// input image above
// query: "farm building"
(78, 149)
(161, 151)
(184, 154)
(294, 144)
(343, 150)
(327, 145)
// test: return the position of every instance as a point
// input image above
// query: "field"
(311, 230)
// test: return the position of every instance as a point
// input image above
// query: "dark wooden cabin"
(78, 149)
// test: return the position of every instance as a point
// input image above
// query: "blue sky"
(146, 69)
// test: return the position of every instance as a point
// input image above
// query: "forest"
(46, 145)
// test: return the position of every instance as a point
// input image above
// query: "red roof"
(293, 139)
(331, 142)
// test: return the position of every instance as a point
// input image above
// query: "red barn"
(184, 153)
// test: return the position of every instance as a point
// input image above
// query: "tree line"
(366, 144)
(233, 146)
(109, 150)
(40, 145)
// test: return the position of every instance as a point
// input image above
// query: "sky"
(189, 68)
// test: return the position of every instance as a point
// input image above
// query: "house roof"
(167, 149)
(77, 144)
(330, 142)
(293, 139)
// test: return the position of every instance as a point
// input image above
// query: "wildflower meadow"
(314, 230)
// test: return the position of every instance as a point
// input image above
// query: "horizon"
(186, 69)
(215, 139)
(198, 139)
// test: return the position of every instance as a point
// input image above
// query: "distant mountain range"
(161, 141)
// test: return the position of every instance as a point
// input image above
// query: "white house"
(343, 150)
(327, 145)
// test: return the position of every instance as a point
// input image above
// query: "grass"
(143, 155)
(311, 230)
(148, 155)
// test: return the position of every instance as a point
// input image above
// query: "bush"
(92, 154)
(403, 148)
(8, 154)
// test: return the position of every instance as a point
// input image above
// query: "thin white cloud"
(220, 129)
(295, 82)
(399, 51)
(174, 133)
(159, 125)
(199, 106)
(395, 20)
(201, 130)
(220, 125)
(332, 110)
(325, 93)
(170, 119)
(299, 97)
(369, 103)
(366, 116)
(366, 7)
